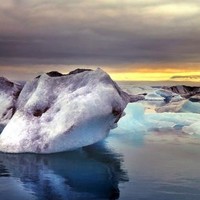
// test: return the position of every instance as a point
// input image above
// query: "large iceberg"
(56, 112)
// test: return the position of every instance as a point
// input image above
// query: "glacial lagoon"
(150, 156)
(116, 168)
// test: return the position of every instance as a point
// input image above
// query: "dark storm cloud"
(99, 32)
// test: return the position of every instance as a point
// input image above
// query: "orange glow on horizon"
(131, 72)
(139, 76)
(155, 72)
(156, 76)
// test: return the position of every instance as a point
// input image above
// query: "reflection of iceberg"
(91, 173)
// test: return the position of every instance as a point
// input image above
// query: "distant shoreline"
(158, 83)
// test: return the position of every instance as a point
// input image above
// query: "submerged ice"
(56, 112)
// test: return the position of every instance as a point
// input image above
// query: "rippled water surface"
(121, 167)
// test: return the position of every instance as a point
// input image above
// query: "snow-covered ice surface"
(9, 93)
(58, 112)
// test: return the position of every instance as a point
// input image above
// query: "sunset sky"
(130, 39)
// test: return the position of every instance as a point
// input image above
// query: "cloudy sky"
(130, 39)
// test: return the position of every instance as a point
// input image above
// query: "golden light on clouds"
(176, 9)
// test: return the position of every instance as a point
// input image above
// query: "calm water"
(121, 167)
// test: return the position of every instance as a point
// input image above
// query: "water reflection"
(3, 171)
(91, 173)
